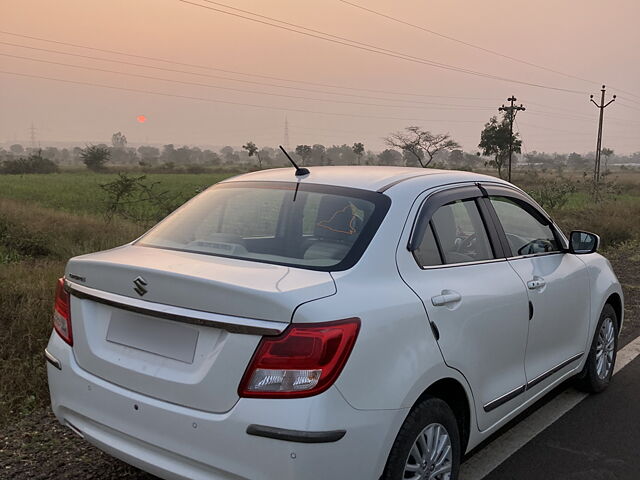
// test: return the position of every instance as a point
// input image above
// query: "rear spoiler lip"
(241, 325)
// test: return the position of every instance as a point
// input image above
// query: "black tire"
(429, 411)
(589, 380)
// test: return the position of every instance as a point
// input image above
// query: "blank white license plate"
(160, 337)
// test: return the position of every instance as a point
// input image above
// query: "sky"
(226, 80)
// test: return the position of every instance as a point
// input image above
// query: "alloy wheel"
(430, 457)
(605, 348)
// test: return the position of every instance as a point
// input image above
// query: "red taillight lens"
(62, 313)
(302, 361)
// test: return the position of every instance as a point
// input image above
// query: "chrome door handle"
(446, 298)
(536, 283)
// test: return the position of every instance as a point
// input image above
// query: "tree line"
(413, 146)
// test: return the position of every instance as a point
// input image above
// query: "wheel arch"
(452, 392)
(616, 302)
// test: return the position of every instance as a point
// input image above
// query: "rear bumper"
(171, 441)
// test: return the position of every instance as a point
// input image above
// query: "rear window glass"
(314, 226)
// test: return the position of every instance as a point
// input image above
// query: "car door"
(476, 304)
(557, 285)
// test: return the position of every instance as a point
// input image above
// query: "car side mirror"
(583, 242)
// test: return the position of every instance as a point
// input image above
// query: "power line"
(205, 75)
(364, 46)
(149, 77)
(208, 67)
(468, 44)
(228, 102)
(478, 47)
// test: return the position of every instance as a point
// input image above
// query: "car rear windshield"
(311, 226)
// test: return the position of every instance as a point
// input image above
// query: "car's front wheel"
(427, 446)
(602, 356)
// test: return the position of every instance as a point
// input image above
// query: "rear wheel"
(427, 446)
(602, 356)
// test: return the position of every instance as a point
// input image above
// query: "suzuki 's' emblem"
(140, 284)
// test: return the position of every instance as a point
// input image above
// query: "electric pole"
(596, 168)
(511, 112)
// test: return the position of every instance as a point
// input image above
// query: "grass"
(46, 219)
(35, 243)
(81, 192)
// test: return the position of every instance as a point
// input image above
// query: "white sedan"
(347, 323)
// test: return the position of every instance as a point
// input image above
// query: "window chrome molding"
(502, 399)
(241, 325)
(532, 255)
(462, 264)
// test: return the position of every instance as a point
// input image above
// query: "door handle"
(536, 283)
(446, 298)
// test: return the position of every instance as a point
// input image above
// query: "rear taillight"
(302, 361)
(62, 313)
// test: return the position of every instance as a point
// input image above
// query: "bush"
(138, 200)
(34, 163)
(95, 157)
(553, 194)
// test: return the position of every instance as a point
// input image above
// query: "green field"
(81, 192)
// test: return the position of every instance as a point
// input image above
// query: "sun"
(141, 118)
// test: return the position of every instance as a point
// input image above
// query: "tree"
(456, 159)
(17, 149)
(34, 163)
(494, 142)
(419, 142)
(607, 152)
(358, 149)
(575, 160)
(229, 154)
(389, 157)
(118, 140)
(95, 157)
(318, 152)
(149, 155)
(304, 151)
(252, 150)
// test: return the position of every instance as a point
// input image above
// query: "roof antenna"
(300, 171)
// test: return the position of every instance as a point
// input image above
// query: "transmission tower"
(32, 136)
(286, 133)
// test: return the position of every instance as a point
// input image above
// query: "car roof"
(375, 178)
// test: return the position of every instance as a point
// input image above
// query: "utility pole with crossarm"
(511, 112)
(596, 168)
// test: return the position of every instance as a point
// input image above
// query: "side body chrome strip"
(242, 325)
(557, 368)
(493, 404)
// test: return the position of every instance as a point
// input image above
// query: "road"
(571, 435)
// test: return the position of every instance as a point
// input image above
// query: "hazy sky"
(599, 42)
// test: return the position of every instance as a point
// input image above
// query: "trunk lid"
(133, 340)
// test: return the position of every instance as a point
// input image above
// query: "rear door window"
(456, 234)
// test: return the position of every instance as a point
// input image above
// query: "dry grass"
(616, 222)
(35, 243)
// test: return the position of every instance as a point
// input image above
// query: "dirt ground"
(38, 447)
